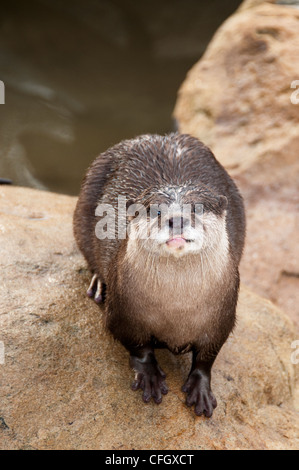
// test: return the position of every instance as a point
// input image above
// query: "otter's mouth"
(178, 242)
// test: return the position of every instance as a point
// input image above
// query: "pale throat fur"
(158, 284)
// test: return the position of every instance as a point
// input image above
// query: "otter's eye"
(154, 212)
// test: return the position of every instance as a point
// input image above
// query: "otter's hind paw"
(199, 394)
(151, 380)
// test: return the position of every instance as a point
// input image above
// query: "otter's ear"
(129, 203)
(223, 202)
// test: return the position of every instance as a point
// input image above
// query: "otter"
(179, 288)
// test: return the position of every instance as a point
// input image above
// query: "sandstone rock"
(65, 383)
(253, 3)
(237, 99)
(241, 89)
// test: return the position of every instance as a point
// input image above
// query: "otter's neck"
(204, 268)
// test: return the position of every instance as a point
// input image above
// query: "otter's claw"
(95, 290)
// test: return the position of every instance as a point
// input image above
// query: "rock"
(241, 88)
(237, 99)
(65, 383)
(253, 3)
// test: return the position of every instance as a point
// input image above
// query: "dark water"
(81, 75)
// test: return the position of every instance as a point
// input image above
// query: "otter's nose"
(178, 222)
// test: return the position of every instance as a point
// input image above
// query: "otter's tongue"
(176, 242)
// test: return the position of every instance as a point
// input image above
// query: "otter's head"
(175, 221)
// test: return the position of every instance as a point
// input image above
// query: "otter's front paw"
(95, 290)
(199, 393)
(151, 379)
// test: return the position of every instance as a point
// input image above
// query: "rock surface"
(237, 99)
(65, 383)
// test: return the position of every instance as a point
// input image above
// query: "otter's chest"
(172, 286)
(174, 304)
